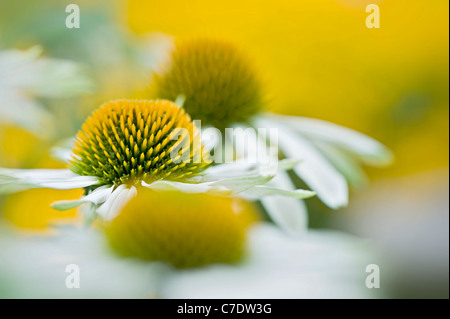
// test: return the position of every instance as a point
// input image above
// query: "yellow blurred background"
(320, 60)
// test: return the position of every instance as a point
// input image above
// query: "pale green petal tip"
(65, 205)
(380, 157)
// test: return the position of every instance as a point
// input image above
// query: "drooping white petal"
(96, 197)
(366, 148)
(116, 201)
(187, 187)
(315, 170)
(345, 164)
(20, 179)
(288, 213)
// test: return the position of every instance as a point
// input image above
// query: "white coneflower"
(130, 143)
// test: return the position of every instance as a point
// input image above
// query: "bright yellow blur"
(31, 209)
(320, 60)
(185, 230)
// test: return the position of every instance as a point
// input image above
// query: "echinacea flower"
(25, 76)
(221, 88)
(217, 80)
(129, 143)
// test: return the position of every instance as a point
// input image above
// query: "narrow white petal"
(26, 113)
(236, 169)
(96, 197)
(253, 145)
(260, 191)
(288, 213)
(63, 150)
(242, 169)
(121, 200)
(241, 184)
(116, 201)
(14, 179)
(368, 149)
(225, 186)
(187, 187)
(62, 154)
(330, 186)
(345, 164)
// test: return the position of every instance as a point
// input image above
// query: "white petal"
(345, 164)
(330, 186)
(35, 267)
(288, 213)
(26, 113)
(96, 197)
(259, 191)
(236, 169)
(369, 150)
(63, 151)
(320, 265)
(225, 186)
(254, 146)
(116, 201)
(242, 169)
(241, 184)
(187, 187)
(11, 60)
(21, 179)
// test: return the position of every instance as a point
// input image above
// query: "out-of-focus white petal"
(315, 170)
(37, 267)
(47, 77)
(345, 164)
(24, 76)
(13, 59)
(288, 213)
(63, 150)
(366, 148)
(12, 180)
(16, 108)
(96, 197)
(320, 264)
